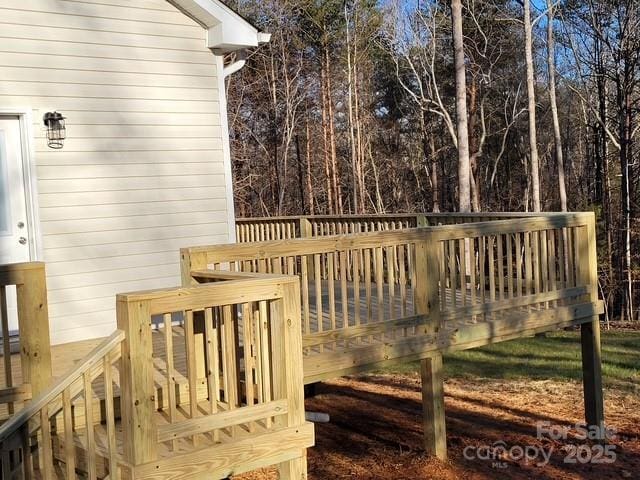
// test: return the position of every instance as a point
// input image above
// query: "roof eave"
(227, 31)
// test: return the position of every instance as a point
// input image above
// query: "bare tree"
(531, 95)
(464, 165)
(551, 62)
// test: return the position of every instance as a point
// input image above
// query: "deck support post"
(435, 433)
(288, 378)
(590, 332)
(592, 376)
(427, 301)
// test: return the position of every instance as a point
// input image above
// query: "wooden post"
(33, 323)
(190, 261)
(590, 332)
(427, 301)
(137, 395)
(288, 379)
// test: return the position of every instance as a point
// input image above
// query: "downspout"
(241, 56)
(235, 66)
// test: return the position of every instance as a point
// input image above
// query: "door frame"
(25, 118)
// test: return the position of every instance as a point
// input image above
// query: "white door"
(14, 234)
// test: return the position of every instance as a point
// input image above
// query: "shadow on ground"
(376, 430)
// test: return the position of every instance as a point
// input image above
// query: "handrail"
(97, 354)
(272, 248)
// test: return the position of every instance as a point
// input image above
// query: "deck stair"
(192, 384)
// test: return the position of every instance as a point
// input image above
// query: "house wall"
(142, 172)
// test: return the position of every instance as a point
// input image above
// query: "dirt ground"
(375, 431)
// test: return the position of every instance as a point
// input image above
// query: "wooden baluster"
(249, 360)
(88, 418)
(69, 448)
(379, 268)
(332, 291)
(536, 261)
(510, 265)
(574, 261)
(192, 367)
(344, 289)
(562, 257)
(444, 302)
(553, 273)
(500, 266)
(463, 271)
(356, 288)
(367, 283)
(518, 265)
(46, 452)
(492, 269)
(473, 275)
(265, 357)
(391, 280)
(318, 285)
(230, 354)
(482, 241)
(171, 383)
(528, 273)
(306, 261)
(544, 264)
(111, 419)
(27, 455)
(453, 283)
(213, 363)
(403, 283)
(6, 345)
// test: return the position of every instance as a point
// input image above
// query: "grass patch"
(556, 356)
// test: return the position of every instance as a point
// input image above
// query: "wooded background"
(351, 108)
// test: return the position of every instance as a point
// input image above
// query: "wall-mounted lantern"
(56, 131)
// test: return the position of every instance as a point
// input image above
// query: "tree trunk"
(335, 184)
(464, 175)
(554, 106)
(325, 140)
(352, 135)
(309, 183)
(531, 93)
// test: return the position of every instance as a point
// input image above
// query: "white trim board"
(25, 116)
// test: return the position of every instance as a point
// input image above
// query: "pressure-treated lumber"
(590, 332)
(136, 381)
(33, 322)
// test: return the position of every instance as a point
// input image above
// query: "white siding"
(142, 171)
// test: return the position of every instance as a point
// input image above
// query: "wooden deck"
(199, 377)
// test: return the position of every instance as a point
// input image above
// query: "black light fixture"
(56, 131)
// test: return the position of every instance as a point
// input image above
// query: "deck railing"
(55, 435)
(32, 374)
(203, 380)
(236, 345)
(362, 290)
(259, 229)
